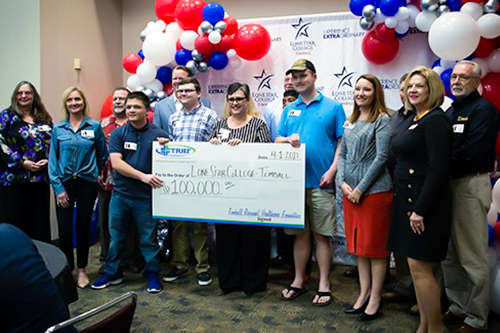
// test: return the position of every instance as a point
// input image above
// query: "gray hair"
(476, 69)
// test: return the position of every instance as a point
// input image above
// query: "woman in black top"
(421, 217)
(243, 252)
(25, 135)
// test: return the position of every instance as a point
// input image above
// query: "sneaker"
(107, 280)
(175, 273)
(154, 284)
(204, 279)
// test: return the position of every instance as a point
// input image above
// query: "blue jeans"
(121, 209)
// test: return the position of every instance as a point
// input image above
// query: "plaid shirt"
(196, 125)
(108, 125)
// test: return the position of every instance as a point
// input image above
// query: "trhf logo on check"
(303, 43)
(175, 150)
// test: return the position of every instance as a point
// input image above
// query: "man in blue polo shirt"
(316, 121)
(130, 150)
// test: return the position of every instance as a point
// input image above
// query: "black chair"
(118, 322)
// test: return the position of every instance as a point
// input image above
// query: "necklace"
(420, 116)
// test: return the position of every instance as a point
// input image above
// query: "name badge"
(458, 128)
(463, 118)
(224, 133)
(295, 113)
(88, 134)
(348, 125)
(130, 146)
(412, 127)
(44, 128)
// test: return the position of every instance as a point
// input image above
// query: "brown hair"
(38, 111)
(378, 105)
(191, 80)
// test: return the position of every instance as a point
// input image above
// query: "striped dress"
(254, 131)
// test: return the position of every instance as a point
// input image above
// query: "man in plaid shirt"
(194, 122)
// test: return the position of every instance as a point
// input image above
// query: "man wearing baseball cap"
(316, 121)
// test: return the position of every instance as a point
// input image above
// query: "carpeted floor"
(183, 306)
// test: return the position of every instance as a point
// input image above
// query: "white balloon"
(391, 22)
(174, 31)
(447, 63)
(155, 85)
(496, 194)
(133, 82)
(489, 25)
(438, 70)
(494, 63)
(214, 37)
(473, 9)
(495, 288)
(483, 63)
(424, 20)
(379, 18)
(187, 39)
(480, 89)
(492, 257)
(414, 11)
(402, 14)
(160, 25)
(454, 36)
(159, 49)
(235, 62)
(146, 71)
(200, 31)
(231, 54)
(492, 216)
(402, 27)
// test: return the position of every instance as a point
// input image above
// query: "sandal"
(323, 294)
(296, 292)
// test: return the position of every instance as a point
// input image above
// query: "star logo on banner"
(264, 80)
(345, 78)
(301, 28)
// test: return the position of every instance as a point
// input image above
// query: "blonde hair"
(434, 83)
(234, 87)
(65, 97)
(378, 105)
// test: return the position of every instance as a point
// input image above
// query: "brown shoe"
(394, 297)
(449, 318)
(467, 329)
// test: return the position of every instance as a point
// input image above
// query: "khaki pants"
(180, 242)
(466, 269)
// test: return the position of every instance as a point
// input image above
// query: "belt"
(463, 175)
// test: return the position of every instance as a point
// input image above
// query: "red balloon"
(203, 45)
(225, 44)
(476, 1)
(377, 51)
(232, 26)
(497, 230)
(486, 47)
(491, 88)
(107, 107)
(150, 115)
(384, 33)
(252, 42)
(497, 145)
(131, 61)
(189, 14)
(168, 89)
(178, 45)
(165, 10)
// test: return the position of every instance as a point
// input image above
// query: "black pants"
(27, 206)
(84, 194)
(243, 254)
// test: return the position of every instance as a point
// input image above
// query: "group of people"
(414, 182)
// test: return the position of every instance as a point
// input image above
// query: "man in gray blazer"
(168, 106)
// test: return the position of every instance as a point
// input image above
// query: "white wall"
(19, 46)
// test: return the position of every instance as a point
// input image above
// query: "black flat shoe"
(353, 310)
(367, 317)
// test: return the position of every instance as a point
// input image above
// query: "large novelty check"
(252, 183)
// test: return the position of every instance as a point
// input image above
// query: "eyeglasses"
(462, 77)
(236, 99)
(185, 91)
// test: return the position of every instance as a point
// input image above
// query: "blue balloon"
(401, 36)
(182, 57)
(164, 74)
(213, 13)
(454, 5)
(218, 60)
(140, 54)
(491, 235)
(389, 7)
(446, 78)
(436, 63)
(356, 6)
